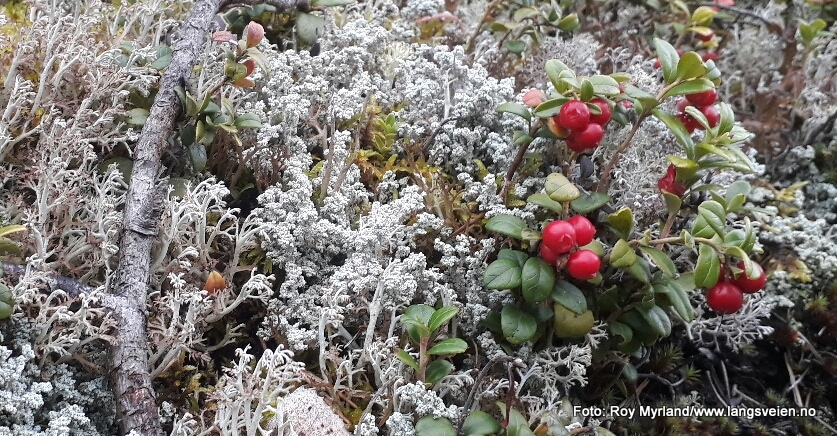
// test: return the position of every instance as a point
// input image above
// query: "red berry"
(682, 104)
(574, 145)
(559, 236)
(584, 229)
(657, 63)
(583, 264)
(747, 284)
(602, 118)
(710, 57)
(668, 182)
(704, 98)
(689, 122)
(706, 37)
(574, 115)
(548, 255)
(725, 298)
(589, 137)
(627, 104)
(712, 115)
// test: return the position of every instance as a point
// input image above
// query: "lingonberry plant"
(626, 278)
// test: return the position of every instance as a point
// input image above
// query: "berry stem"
(521, 153)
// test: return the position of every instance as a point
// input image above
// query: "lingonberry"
(602, 118)
(747, 284)
(682, 104)
(584, 229)
(534, 97)
(712, 56)
(589, 137)
(713, 117)
(689, 122)
(548, 255)
(574, 115)
(704, 98)
(669, 183)
(574, 145)
(559, 236)
(583, 264)
(725, 298)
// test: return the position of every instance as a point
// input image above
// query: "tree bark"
(137, 405)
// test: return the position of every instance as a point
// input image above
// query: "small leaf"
(518, 326)
(514, 108)
(197, 154)
(508, 225)
(515, 46)
(587, 91)
(559, 188)
(441, 316)
(449, 346)
(415, 319)
(407, 359)
(550, 107)
(604, 85)
(543, 200)
(622, 221)
(137, 116)
(517, 256)
(673, 202)
(554, 69)
(502, 274)
(661, 259)
(432, 426)
(248, 121)
(480, 423)
(572, 325)
(708, 267)
(309, 27)
(569, 296)
(668, 59)
(678, 130)
(690, 66)
(657, 319)
(622, 255)
(678, 297)
(711, 220)
(538, 279)
(589, 202)
(11, 228)
(620, 329)
(690, 87)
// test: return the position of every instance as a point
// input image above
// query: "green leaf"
(407, 359)
(559, 188)
(432, 426)
(589, 202)
(604, 85)
(248, 121)
(708, 267)
(568, 23)
(8, 246)
(163, 59)
(137, 116)
(550, 107)
(690, 66)
(197, 154)
(684, 138)
(569, 296)
(309, 27)
(508, 225)
(538, 279)
(554, 69)
(690, 87)
(620, 329)
(415, 319)
(437, 370)
(517, 256)
(11, 228)
(515, 108)
(587, 91)
(502, 274)
(449, 346)
(661, 259)
(711, 220)
(622, 222)
(441, 316)
(543, 200)
(668, 59)
(657, 318)
(736, 195)
(641, 270)
(515, 46)
(330, 3)
(517, 423)
(673, 202)
(686, 168)
(727, 118)
(678, 297)
(480, 423)
(518, 326)
(622, 255)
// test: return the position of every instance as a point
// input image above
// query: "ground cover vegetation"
(417, 217)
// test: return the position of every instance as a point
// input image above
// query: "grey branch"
(72, 287)
(129, 354)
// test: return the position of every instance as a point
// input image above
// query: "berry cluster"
(560, 237)
(704, 102)
(727, 296)
(585, 129)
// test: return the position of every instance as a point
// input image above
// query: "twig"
(772, 26)
(72, 287)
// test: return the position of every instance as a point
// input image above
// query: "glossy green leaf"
(661, 259)
(508, 225)
(736, 195)
(568, 23)
(502, 274)
(415, 319)
(589, 202)
(641, 270)
(137, 116)
(538, 279)
(309, 27)
(727, 118)
(197, 154)
(684, 138)
(587, 91)
(678, 297)
(248, 121)
(673, 202)
(668, 59)
(708, 267)
(619, 329)
(543, 200)
(480, 423)
(441, 316)
(622, 222)
(518, 326)
(692, 86)
(657, 318)
(690, 66)
(686, 168)
(515, 108)
(407, 359)
(550, 107)
(432, 426)
(449, 346)
(559, 188)
(517, 256)
(711, 220)
(515, 46)
(569, 296)
(622, 255)
(437, 370)
(604, 85)
(556, 71)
